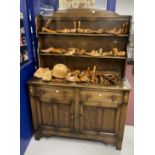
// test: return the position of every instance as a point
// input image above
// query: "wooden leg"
(37, 136)
(118, 145)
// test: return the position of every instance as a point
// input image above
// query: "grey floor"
(68, 146)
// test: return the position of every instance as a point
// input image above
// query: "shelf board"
(81, 56)
(83, 34)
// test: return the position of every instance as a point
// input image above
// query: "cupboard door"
(45, 114)
(95, 118)
(55, 115)
(63, 115)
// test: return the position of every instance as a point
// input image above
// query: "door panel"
(89, 118)
(47, 114)
(98, 119)
(64, 115)
(55, 114)
(108, 120)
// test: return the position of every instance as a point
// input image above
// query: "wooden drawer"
(56, 93)
(101, 96)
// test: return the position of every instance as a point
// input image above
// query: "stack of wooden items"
(62, 73)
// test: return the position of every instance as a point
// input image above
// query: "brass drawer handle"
(41, 92)
(57, 91)
(63, 93)
(100, 94)
(113, 97)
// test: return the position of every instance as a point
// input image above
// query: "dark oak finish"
(96, 113)
(81, 110)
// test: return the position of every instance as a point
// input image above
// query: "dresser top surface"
(85, 13)
(124, 86)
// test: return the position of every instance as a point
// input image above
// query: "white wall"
(101, 4)
(125, 7)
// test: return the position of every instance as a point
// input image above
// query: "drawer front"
(101, 96)
(56, 93)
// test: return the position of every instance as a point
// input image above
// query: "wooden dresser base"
(79, 112)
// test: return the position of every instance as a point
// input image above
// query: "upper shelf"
(83, 34)
(84, 56)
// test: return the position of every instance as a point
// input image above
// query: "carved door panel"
(63, 115)
(100, 112)
(45, 114)
(55, 115)
(98, 119)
